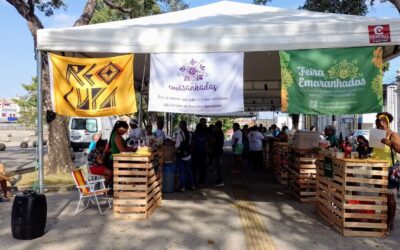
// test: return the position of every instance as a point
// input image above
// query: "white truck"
(81, 130)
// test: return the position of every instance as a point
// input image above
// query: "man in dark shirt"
(217, 151)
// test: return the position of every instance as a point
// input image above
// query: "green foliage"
(385, 67)
(350, 7)
(261, 2)
(227, 123)
(48, 7)
(134, 8)
(28, 104)
(172, 5)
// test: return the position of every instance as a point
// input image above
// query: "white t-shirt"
(237, 135)
(255, 141)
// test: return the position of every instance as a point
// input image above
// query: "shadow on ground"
(203, 219)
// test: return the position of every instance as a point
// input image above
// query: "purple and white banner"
(210, 83)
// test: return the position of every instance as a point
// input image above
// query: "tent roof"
(224, 26)
(219, 27)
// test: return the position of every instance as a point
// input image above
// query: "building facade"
(9, 111)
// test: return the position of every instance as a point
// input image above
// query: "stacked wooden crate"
(281, 162)
(268, 153)
(302, 174)
(353, 197)
(137, 184)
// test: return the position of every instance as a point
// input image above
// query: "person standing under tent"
(330, 134)
(199, 154)
(149, 135)
(245, 141)
(183, 157)
(218, 151)
(135, 133)
(388, 153)
(159, 133)
(256, 148)
(237, 147)
(275, 130)
(117, 144)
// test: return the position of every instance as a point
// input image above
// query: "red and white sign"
(379, 33)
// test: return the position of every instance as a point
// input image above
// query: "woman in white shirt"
(237, 147)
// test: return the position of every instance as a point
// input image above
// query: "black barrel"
(28, 216)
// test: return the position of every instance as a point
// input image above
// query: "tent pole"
(40, 118)
(140, 94)
(140, 109)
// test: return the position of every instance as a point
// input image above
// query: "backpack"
(184, 148)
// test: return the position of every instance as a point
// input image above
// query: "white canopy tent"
(225, 26)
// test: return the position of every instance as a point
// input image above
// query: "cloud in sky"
(61, 20)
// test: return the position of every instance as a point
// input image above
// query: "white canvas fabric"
(220, 27)
(209, 83)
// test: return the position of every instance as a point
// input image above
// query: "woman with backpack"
(389, 153)
(183, 157)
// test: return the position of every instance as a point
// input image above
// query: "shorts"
(238, 149)
(97, 170)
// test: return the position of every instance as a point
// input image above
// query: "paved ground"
(253, 210)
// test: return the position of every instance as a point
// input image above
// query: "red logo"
(379, 33)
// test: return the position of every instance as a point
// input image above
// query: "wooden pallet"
(302, 174)
(280, 166)
(354, 199)
(268, 153)
(137, 185)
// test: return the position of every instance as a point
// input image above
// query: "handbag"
(394, 170)
(184, 148)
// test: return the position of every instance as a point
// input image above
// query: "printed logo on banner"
(193, 71)
(379, 33)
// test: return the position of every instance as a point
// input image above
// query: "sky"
(17, 64)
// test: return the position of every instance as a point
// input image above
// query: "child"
(95, 161)
(3, 182)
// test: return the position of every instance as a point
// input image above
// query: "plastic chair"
(88, 190)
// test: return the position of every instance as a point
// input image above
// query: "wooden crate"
(280, 166)
(354, 199)
(268, 153)
(137, 185)
(168, 153)
(302, 174)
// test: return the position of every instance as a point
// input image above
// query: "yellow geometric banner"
(92, 87)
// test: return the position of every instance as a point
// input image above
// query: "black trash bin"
(28, 216)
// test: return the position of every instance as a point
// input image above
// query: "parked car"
(81, 130)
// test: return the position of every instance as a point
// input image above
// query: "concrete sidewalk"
(251, 212)
(194, 220)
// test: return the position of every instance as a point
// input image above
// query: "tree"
(28, 104)
(351, 7)
(261, 2)
(59, 155)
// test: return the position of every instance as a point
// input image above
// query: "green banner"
(332, 81)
